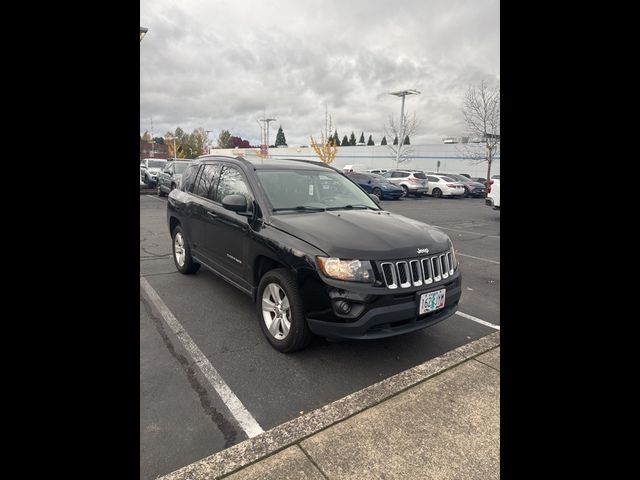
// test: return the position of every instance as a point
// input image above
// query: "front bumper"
(392, 314)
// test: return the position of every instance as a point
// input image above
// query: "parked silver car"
(152, 167)
(413, 182)
(170, 177)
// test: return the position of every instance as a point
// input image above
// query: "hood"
(363, 234)
(154, 169)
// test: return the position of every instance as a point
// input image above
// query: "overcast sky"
(220, 64)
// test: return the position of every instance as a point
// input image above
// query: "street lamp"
(175, 153)
(267, 121)
(402, 93)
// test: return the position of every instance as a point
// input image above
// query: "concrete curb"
(284, 435)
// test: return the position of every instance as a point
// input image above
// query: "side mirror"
(236, 203)
(375, 199)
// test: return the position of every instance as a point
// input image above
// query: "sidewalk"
(439, 420)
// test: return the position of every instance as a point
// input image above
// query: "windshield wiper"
(300, 208)
(352, 207)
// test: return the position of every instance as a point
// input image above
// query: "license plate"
(432, 301)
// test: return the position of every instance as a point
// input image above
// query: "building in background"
(159, 150)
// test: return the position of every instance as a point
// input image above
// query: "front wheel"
(182, 253)
(405, 190)
(280, 311)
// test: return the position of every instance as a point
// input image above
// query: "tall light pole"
(402, 93)
(175, 153)
(208, 141)
(267, 121)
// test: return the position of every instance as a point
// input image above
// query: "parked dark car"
(471, 188)
(315, 253)
(479, 180)
(169, 178)
(378, 185)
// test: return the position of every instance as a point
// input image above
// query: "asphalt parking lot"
(182, 417)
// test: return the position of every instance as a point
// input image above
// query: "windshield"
(448, 179)
(459, 178)
(379, 178)
(157, 163)
(312, 190)
(180, 167)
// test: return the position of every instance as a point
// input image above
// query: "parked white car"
(152, 167)
(493, 195)
(443, 186)
(379, 171)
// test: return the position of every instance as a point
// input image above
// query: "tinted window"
(359, 178)
(189, 177)
(232, 183)
(386, 174)
(206, 181)
(448, 179)
(180, 167)
(419, 175)
(398, 175)
(156, 163)
(432, 179)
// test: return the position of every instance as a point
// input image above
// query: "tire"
(466, 193)
(160, 192)
(377, 192)
(436, 192)
(280, 282)
(406, 190)
(188, 265)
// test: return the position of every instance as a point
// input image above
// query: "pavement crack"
(487, 365)
(312, 461)
(228, 430)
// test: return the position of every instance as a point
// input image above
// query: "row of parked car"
(401, 183)
(162, 174)
(385, 184)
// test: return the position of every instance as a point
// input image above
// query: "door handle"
(211, 214)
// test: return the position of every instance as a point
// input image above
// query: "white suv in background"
(493, 193)
(152, 168)
(413, 182)
(443, 186)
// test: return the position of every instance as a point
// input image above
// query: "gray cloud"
(220, 65)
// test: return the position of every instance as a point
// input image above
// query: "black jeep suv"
(314, 252)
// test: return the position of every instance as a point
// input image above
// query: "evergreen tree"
(384, 140)
(406, 140)
(395, 140)
(370, 142)
(345, 141)
(336, 138)
(352, 140)
(361, 138)
(280, 140)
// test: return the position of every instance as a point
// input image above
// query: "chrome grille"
(418, 271)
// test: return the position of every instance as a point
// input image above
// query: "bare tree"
(481, 110)
(393, 130)
(326, 149)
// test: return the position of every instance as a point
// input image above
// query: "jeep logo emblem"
(423, 250)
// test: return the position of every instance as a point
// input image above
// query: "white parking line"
(157, 198)
(467, 231)
(477, 258)
(476, 319)
(233, 403)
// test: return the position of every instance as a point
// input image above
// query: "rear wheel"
(280, 311)
(405, 189)
(436, 192)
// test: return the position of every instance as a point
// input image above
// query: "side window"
(232, 183)
(206, 181)
(189, 177)
(398, 175)
(432, 179)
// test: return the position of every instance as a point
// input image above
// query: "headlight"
(353, 270)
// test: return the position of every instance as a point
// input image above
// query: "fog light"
(342, 307)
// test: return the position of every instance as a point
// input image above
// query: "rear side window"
(188, 178)
(399, 175)
(419, 175)
(432, 179)
(449, 179)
